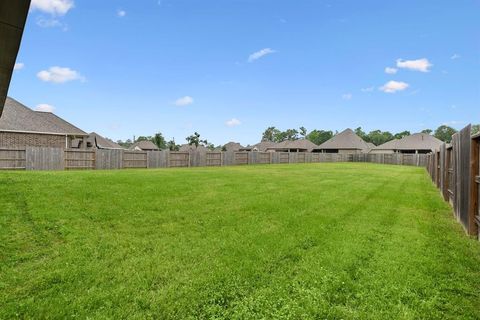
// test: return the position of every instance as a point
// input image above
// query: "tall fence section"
(454, 169)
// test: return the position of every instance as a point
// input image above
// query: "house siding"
(12, 140)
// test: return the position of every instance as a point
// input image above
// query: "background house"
(232, 146)
(263, 146)
(344, 142)
(22, 127)
(145, 145)
(415, 143)
(301, 145)
(187, 148)
(96, 141)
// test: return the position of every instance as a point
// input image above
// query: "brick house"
(22, 127)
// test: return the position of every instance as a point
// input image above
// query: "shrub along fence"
(455, 171)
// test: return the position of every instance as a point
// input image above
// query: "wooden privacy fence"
(455, 171)
(75, 159)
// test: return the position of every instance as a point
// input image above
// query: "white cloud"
(455, 56)
(18, 66)
(43, 107)
(368, 89)
(259, 54)
(59, 75)
(233, 122)
(184, 101)
(54, 7)
(121, 13)
(50, 23)
(421, 65)
(390, 70)
(347, 96)
(394, 86)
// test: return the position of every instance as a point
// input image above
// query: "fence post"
(474, 212)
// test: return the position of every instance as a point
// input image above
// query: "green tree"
(303, 132)
(319, 136)
(475, 128)
(445, 133)
(378, 137)
(172, 146)
(126, 144)
(291, 134)
(159, 141)
(362, 134)
(195, 140)
(427, 131)
(402, 134)
(269, 134)
(143, 138)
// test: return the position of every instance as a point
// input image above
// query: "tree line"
(317, 136)
(377, 137)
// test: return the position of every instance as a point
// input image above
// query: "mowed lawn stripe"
(283, 241)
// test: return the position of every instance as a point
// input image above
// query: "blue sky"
(229, 69)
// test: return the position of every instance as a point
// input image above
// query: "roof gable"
(416, 141)
(17, 117)
(346, 139)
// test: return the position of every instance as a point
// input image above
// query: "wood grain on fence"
(135, 159)
(213, 159)
(79, 159)
(108, 159)
(241, 158)
(12, 159)
(179, 159)
(39, 158)
(474, 207)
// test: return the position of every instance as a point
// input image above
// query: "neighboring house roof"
(145, 145)
(301, 144)
(264, 145)
(102, 143)
(19, 118)
(233, 146)
(417, 141)
(345, 140)
(187, 148)
(371, 145)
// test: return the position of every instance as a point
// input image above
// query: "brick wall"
(22, 140)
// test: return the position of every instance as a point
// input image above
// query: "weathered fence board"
(79, 159)
(179, 159)
(213, 159)
(157, 159)
(12, 159)
(38, 158)
(461, 144)
(108, 159)
(241, 158)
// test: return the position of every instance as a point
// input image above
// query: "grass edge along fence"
(455, 170)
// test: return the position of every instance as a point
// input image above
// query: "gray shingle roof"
(264, 145)
(187, 148)
(346, 139)
(417, 141)
(102, 143)
(146, 145)
(233, 146)
(301, 144)
(17, 117)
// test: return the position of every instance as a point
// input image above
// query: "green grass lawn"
(351, 241)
